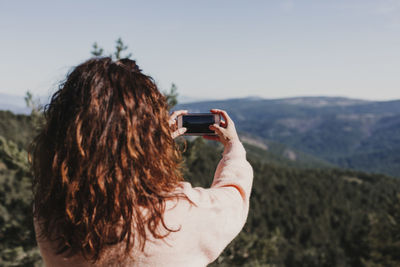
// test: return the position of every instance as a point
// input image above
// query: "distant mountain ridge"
(16, 103)
(322, 101)
(13, 103)
(351, 133)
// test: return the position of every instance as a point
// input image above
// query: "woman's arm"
(225, 205)
(233, 169)
(218, 213)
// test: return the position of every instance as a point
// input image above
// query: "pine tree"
(172, 96)
(97, 51)
(119, 48)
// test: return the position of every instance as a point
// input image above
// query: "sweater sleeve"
(234, 170)
(222, 209)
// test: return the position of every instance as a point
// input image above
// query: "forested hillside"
(309, 217)
(299, 215)
(349, 133)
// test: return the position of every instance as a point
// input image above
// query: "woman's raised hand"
(226, 131)
(173, 123)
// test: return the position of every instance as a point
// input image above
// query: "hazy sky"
(212, 49)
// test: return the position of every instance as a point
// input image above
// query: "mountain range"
(305, 131)
(349, 133)
(13, 103)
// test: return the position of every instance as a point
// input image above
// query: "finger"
(222, 124)
(177, 113)
(225, 115)
(179, 132)
(217, 129)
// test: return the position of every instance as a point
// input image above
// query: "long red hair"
(104, 154)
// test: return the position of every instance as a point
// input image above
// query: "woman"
(108, 188)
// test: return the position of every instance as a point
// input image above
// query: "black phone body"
(198, 123)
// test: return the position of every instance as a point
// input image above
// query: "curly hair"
(104, 155)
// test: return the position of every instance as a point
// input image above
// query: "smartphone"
(198, 123)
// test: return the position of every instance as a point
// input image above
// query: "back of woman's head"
(104, 155)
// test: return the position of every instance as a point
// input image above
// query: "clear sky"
(212, 48)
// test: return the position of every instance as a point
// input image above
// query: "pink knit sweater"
(206, 228)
